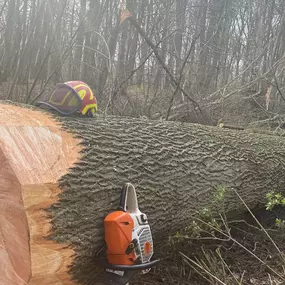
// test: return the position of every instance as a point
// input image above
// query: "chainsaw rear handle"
(128, 199)
(136, 267)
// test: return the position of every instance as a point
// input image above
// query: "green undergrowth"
(216, 249)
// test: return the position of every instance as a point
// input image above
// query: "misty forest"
(191, 110)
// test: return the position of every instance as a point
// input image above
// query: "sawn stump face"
(34, 153)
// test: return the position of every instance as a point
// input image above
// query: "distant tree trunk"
(203, 50)
(121, 64)
(218, 33)
(146, 10)
(180, 24)
(46, 37)
(8, 37)
(70, 33)
(77, 69)
(132, 54)
(211, 48)
(112, 49)
(43, 34)
(160, 73)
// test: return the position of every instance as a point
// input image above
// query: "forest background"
(227, 56)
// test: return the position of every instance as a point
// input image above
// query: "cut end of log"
(34, 153)
(14, 237)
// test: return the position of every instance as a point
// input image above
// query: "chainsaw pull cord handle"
(128, 200)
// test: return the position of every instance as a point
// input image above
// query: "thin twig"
(242, 246)
(202, 268)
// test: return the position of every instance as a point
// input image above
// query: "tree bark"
(174, 166)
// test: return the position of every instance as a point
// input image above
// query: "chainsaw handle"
(128, 199)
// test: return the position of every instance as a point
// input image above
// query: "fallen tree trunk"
(174, 166)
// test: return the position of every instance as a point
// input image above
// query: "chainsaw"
(129, 244)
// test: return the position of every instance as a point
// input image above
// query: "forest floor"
(254, 264)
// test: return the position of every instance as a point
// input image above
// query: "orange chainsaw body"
(118, 235)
